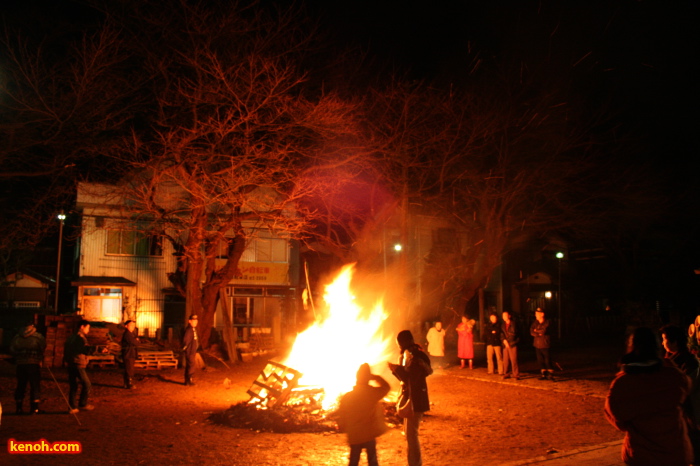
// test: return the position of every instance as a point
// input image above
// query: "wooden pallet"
(101, 360)
(156, 360)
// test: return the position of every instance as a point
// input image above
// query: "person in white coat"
(436, 344)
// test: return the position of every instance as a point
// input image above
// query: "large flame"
(329, 352)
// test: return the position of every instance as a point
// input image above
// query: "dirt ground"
(475, 419)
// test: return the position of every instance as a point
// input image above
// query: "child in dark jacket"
(361, 416)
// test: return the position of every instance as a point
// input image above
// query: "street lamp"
(61, 218)
(560, 256)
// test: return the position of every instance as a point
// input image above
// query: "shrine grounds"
(475, 419)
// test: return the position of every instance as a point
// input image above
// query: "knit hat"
(28, 331)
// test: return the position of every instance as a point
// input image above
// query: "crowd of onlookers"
(502, 337)
(654, 398)
(28, 346)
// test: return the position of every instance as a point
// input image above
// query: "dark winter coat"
(190, 341)
(412, 375)
(510, 333)
(28, 349)
(130, 349)
(645, 401)
(76, 350)
(492, 334)
(540, 333)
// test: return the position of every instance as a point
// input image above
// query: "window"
(94, 291)
(267, 248)
(264, 247)
(133, 243)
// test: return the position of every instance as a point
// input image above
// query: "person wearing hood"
(645, 401)
(412, 370)
(28, 347)
(361, 416)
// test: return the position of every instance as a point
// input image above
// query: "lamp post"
(61, 218)
(560, 256)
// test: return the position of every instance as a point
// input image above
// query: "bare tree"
(233, 142)
(505, 164)
(61, 98)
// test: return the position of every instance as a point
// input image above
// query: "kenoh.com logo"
(43, 447)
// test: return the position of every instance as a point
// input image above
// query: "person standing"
(492, 338)
(76, 356)
(130, 352)
(510, 340)
(675, 342)
(362, 417)
(190, 345)
(465, 343)
(436, 343)
(28, 347)
(540, 332)
(645, 401)
(412, 370)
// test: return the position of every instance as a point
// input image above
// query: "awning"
(102, 281)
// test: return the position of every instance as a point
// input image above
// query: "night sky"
(641, 57)
(637, 60)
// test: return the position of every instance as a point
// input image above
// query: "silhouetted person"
(510, 339)
(539, 330)
(675, 342)
(361, 415)
(130, 352)
(646, 402)
(190, 345)
(28, 347)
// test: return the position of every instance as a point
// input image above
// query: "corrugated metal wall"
(149, 273)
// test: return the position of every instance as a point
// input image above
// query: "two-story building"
(122, 273)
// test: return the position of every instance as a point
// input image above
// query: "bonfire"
(301, 392)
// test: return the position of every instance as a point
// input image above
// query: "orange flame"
(330, 351)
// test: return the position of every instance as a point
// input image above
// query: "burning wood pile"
(280, 401)
(279, 404)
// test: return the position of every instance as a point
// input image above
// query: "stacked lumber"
(156, 360)
(56, 330)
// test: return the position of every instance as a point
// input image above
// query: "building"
(26, 290)
(122, 272)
